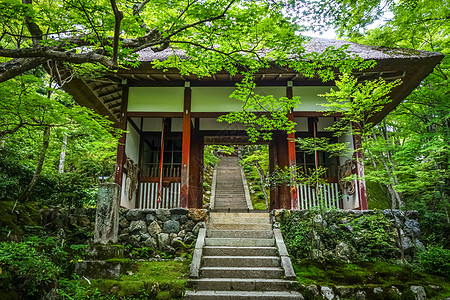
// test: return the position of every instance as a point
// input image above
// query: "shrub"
(30, 270)
(436, 260)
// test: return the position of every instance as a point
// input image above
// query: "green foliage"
(375, 236)
(371, 237)
(366, 275)
(435, 260)
(31, 270)
(357, 102)
(296, 175)
(209, 155)
(74, 289)
(89, 152)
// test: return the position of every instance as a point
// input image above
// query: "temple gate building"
(175, 115)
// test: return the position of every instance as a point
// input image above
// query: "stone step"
(225, 193)
(239, 219)
(241, 261)
(239, 242)
(237, 226)
(242, 284)
(241, 215)
(260, 234)
(232, 205)
(242, 295)
(242, 272)
(239, 251)
(232, 220)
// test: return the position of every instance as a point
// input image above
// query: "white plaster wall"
(132, 144)
(309, 99)
(214, 99)
(157, 99)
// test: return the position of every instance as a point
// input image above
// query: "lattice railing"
(148, 195)
(323, 195)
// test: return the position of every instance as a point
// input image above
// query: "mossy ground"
(368, 275)
(147, 280)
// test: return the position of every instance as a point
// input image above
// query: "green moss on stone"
(154, 279)
(367, 275)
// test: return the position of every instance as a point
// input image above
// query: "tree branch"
(136, 12)
(67, 56)
(118, 16)
(202, 21)
(17, 66)
(34, 29)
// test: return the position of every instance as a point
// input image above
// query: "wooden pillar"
(121, 156)
(280, 196)
(186, 147)
(291, 151)
(359, 157)
(196, 170)
(283, 163)
(273, 162)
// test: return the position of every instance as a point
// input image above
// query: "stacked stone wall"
(159, 229)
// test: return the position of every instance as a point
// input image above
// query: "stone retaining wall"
(160, 229)
(345, 220)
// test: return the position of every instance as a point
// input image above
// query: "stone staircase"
(229, 189)
(239, 256)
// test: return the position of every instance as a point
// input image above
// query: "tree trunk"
(262, 177)
(46, 140)
(62, 157)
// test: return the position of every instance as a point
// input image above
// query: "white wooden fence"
(324, 195)
(148, 195)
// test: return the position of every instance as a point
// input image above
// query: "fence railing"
(149, 191)
(323, 195)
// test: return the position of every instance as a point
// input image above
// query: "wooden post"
(186, 147)
(121, 157)
(283, 162)
(360, 182)
(195, 170)
(273, 162)
(291, 151)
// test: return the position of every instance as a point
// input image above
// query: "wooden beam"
(186, 148)
(121, 156)
(103, 86)
(109, 93)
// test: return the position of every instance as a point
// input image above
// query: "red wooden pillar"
(121, 156)
(291, 151)
(280, 197)
(195, 169)
(283, 162)
(186, 147)
(273, 162)
(360, 182)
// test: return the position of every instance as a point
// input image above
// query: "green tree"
(32, 110)
(409, 151)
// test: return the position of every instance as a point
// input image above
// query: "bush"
(436, 260)
(29, 270)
